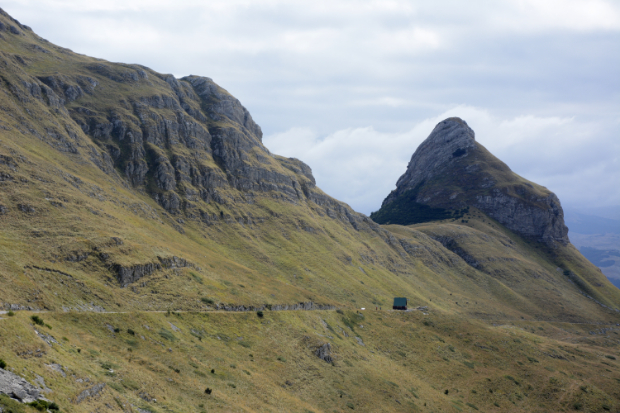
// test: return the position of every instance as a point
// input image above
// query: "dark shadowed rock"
(324, 353)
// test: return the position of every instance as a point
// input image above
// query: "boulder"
(17, 387)
(324, 353)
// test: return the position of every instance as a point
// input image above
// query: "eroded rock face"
(450, 139)
(187, 143)
(543, 220)
(450, 171)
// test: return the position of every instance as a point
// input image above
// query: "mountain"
(450, 171)
(598, 238)
(164, 249)
(591, 224)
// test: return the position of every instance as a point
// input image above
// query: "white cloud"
(358, 84)
(579, 15)
(361, 166)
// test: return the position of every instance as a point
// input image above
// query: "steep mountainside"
(134, 205)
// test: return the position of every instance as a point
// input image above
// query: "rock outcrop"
(450, 172)
(89, 393)
(324, 352)
(17, 387)
(129, 274)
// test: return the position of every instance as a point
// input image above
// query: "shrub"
(10, 313)
(339, 311)
(196, 277)
(259, 314)
(282, 359)
(577, 405)
(446, 391)
(117, 330)
(11, 405)
(130, 384)
(130, 331)
(37, 320)
(472, 406)
(167, 335)
(42, 405)
(207, 300)
(2, 364)
(611, 357)
(350, 405)
(116, 387)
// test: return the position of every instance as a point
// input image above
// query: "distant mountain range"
(596, 232)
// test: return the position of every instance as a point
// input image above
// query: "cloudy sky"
(352, 87)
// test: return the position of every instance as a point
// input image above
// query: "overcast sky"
(352, 87)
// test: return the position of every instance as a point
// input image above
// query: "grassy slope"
(285, 253)
(407, 362)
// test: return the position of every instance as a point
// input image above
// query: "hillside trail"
(314, 309)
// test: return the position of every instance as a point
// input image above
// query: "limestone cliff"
(450, 171)
(187, 143)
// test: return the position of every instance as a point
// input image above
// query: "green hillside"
(130, 199)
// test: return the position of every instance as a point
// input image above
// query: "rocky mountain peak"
(188, 143)
(450, 139)
(450, 171)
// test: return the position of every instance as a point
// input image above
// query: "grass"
(288, 342)
(267, 251)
